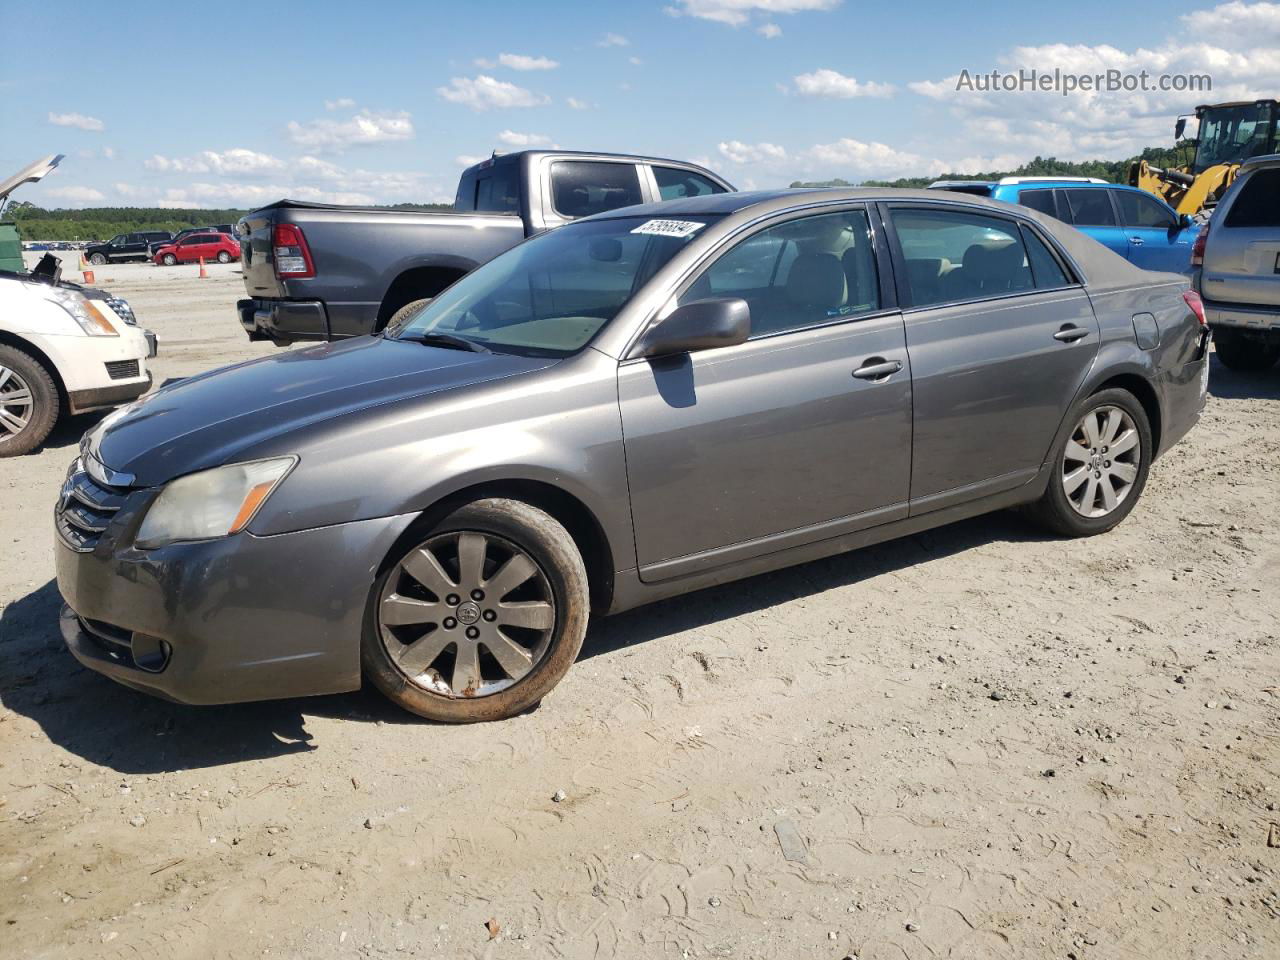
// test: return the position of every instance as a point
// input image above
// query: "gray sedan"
(635, 406)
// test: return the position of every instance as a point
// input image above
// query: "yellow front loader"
(1228, 135)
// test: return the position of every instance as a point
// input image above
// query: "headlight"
(92, 320)
(211, 504)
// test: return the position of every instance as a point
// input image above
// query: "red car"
(211, 246)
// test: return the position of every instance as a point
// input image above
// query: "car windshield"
(550, 295)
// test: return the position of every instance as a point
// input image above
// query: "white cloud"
(362, 129)
(342, 103)
(468, 160)
(524, 140)
(237, 161)
(834, 85)
(519, 61)
(860, 160)
(109, 152)
(77, 120)
(1237, 44)
(485, 93)
(613, 40)
(635, 61)
(576, 104)
(736, 151)
(252, 195)
(76, 196)
(735, 13)
(770, 31)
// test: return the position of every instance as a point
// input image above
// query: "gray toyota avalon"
(637, 405)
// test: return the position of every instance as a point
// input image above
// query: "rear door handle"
(1071, 333)
(878, 368)
(1136, 241)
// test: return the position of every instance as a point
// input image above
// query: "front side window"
(549, 296)
(674, 183)
(952, 256)
(1091, 208)
(580, 188)
(1139, 210)
(798, 274)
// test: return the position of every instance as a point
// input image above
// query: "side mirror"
(1179, 128)
(701, 325)
(1185, 220)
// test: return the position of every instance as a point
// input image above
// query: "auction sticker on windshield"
(670, 228)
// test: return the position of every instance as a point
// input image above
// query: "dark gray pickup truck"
(320, 272)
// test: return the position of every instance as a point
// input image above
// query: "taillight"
(292, 257)
(1196, 305)
(1197, 249)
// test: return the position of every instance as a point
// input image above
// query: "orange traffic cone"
(87, 275)
(203, 272)
(83, 264)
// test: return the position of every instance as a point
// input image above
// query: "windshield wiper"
(450, 342)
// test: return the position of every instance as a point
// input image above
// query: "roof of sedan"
(1101, 267)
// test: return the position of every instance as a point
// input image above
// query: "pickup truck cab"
(1133, 223)
(126, 246)
(321, 272)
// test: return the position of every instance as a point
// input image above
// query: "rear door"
(1000, 335)
(1156, 238)
(1091, 211)
(1242, 254)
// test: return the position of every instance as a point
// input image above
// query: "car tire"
(224, 257)
(407, 310)
(1244, 354)
(169, 260)
(520, 639)
(1085, 469)
(98, 259)
(23, 375)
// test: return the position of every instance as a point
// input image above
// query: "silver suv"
(1237, 263)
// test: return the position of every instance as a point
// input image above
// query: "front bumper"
(283, 321)
(222, 621)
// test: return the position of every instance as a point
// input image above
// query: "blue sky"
(385, 101)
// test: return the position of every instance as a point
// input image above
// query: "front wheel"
(28, 402)
(1100, 467)
(1241, 353)
(98, 259)
(224, 257)
(169, 259)
(481, 617)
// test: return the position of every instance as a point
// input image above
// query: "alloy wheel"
(1101, 461)
(466, 614)
(16, 403)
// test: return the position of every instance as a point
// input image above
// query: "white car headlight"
(84, 312)
(211, 504)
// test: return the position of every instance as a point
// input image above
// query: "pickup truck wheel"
(1243, 354)
(1100, 467)
(224, 257)
(169, 259)
(98, 259)
(28, 402)
(481, 617)
(407, 310)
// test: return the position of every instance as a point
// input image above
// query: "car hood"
(218, 417)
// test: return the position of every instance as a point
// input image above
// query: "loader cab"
(1231, 133)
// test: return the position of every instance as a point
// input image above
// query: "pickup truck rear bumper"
(1258, 318)
(284, 321)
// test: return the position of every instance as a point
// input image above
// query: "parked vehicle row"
(320, 272)
(648, 401)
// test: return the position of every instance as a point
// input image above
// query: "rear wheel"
(169, 259)
(28, 402)
(224, 257)
(1100, 468)
(480, 618)
(1242, 353)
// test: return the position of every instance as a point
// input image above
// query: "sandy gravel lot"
(976, 743)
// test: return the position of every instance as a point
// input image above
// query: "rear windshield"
(549, 296)
(1258, 202)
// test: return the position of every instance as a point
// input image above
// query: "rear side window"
(580, 188)
(1140, 210)
(674, 183)
(1258, 202)
(1091, 208)
(1041, 200)
(498, 190)
(1046, 271)
(952, 256)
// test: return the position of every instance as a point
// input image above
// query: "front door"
(1000, 337)
(1156, 239)
(801, 433)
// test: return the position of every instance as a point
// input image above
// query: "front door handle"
(878, 368)
(1136, 241)
(1071, 333)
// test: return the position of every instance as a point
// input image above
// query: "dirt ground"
(979, 742)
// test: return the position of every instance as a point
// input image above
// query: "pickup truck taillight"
(292, 257)
(1197, 248)
(1196, 305)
